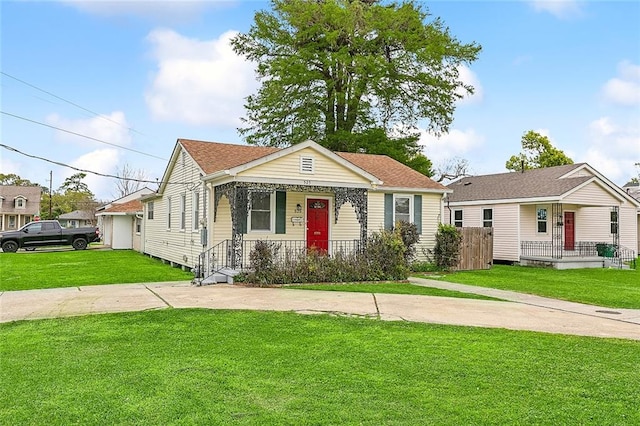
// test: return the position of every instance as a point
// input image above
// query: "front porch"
(582, 254)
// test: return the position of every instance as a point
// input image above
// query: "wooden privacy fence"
(476, 249)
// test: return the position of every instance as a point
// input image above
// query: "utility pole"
(50, 186)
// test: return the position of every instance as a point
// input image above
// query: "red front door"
(569, 231)
(318, 224)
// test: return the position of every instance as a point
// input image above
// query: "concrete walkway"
(520, 312)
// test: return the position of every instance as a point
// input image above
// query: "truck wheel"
(9, 247)
(79, 244)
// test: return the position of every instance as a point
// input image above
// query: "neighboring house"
(77, 219)
(221, 198)
(19, 205)
(555, 216)
(120, 221)
(633, 189)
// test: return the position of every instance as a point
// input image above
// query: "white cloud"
(112, 128)
(625, 88)
(9, 167)
(167, 11)
(198, 82)
(101, 161)
(559, 8)
(468, 77)
(453, 144)
(613, 148)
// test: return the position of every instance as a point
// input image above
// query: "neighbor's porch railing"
(548, 249)
(222, 256)
(619, 255)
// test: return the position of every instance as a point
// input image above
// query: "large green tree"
(537, 152)
(15, 180)
(340, 71)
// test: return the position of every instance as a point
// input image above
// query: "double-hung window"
(457, 218)
(487, 218)
(183, 211)
(169, 213)
(541, 214)
(261, 211)
(150, 210)
(402, 208)
(195, 205)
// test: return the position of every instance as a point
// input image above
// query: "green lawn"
(49, 269)
(221, 367)
(390, 288)
(604, 287)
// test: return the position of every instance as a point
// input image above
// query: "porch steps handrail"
(212, 261)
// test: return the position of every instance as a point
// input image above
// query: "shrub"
(383, 258)
(446, 252)
(410, 237)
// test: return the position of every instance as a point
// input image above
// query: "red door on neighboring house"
(318, 224)
(569, 231)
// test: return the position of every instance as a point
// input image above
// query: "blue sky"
(142, 74)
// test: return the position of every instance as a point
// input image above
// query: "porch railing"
(549, 249)
(617, 254)
(222, 256)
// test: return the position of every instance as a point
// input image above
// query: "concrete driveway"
(518, 312)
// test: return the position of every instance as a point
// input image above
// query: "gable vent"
(307, 165)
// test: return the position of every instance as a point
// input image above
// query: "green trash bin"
(600, 248)
(609, 250)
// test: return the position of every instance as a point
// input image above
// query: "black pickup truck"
(47, 233)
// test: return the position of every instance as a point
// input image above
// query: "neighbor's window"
(150, 210)
(19, 203)
(138, 225)
(457, 218)
(402, 208)
(183, 211)
(195, 205)
(12, 222)
(260, 212)
(542, 220)
(487, 218)
(169, 213)
(614, 222)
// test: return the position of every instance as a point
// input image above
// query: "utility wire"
(71, 103)
(81, 135)
(10, 148)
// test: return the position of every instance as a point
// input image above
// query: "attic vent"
(307, 165)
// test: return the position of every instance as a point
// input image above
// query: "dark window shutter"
(281, 212)
(242, 223)
(388, 211)
(417, 212)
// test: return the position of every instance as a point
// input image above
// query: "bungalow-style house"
(219, 199)
(19, 205)
(77, 219)
(120, 221)
(566, 216)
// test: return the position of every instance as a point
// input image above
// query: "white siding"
(178, 246)
(592, 194)
(506, 223)
(326, 169)
(629, 228)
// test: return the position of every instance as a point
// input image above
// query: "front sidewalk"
(514, 315)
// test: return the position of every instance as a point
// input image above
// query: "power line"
(81, 135)
(71, 103)
(10, 148)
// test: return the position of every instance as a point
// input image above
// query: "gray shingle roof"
(535, 183)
